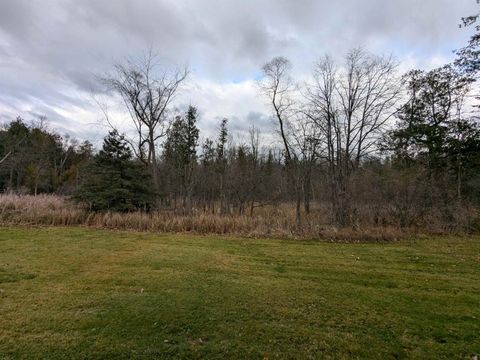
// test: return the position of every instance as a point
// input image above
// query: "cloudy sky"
(52, 51)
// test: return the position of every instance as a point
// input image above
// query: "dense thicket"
(35, 160)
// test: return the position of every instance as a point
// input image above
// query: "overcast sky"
(51, 51)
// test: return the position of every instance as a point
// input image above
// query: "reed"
(274, 222)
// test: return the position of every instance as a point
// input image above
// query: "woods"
(359, 145)
(38, 160)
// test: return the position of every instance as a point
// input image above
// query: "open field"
(75, 293)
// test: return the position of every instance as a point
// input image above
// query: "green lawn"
(88, 294)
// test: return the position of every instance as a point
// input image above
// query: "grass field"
(74, 293)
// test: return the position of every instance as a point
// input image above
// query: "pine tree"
(222, 163)
(432, 128)
(180, 155)
(114, 181)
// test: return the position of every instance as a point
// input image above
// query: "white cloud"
(50, 54)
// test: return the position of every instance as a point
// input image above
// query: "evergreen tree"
(208, 180)
(114, 181)
(427, 120)
(433, 129)
(35, 159)
(469, 56)
(180, 155)
(222, 163)
(182, 140)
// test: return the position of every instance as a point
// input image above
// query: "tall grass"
(276, 222)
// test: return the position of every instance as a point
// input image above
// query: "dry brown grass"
(274, 222)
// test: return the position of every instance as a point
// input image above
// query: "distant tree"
(468, 57)
(463, 149)
(180, 155)
(433, 127)
(350, 106)
(42, 156)
(147, 91)
(207, 184)
(246, 174)
(221, 163)
(16, 134)
(14, 153)
(280, 89)
(76, 161)
(114, 181)
(35, 159)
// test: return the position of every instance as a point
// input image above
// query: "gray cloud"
(51, 51)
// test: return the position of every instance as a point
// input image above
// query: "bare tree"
(147, 92)
(306, 140)
(280, 89)
(278, 86)
(351, 106)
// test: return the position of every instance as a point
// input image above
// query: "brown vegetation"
(278, 222)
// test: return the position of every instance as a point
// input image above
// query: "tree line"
(357, 137)
(34, 159)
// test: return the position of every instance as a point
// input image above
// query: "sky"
(52, 52)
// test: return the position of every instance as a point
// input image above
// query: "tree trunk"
(10, 181)
(223, 205)
(343, 205)
(188, 204)
(298, 209)
(459, 180)
(307, 193)
(153, 160)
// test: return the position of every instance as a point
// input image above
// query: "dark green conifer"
(114, 181)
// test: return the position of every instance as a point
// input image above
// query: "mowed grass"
(74, 293)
